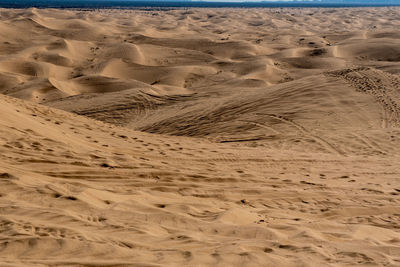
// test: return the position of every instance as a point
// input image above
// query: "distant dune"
(200, 137)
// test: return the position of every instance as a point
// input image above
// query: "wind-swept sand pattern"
(200, 137)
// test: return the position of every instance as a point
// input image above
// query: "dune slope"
(75, 191)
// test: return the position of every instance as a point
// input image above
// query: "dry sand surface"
(200, 137)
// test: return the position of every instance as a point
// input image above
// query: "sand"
(200, 137)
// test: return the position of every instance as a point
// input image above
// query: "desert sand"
(200, 137)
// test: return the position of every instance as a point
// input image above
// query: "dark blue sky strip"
(139, 4)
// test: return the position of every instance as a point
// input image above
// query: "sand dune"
(201, 137)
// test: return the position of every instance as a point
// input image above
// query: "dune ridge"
(200, 137)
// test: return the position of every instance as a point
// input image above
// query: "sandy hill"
(194, 138)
